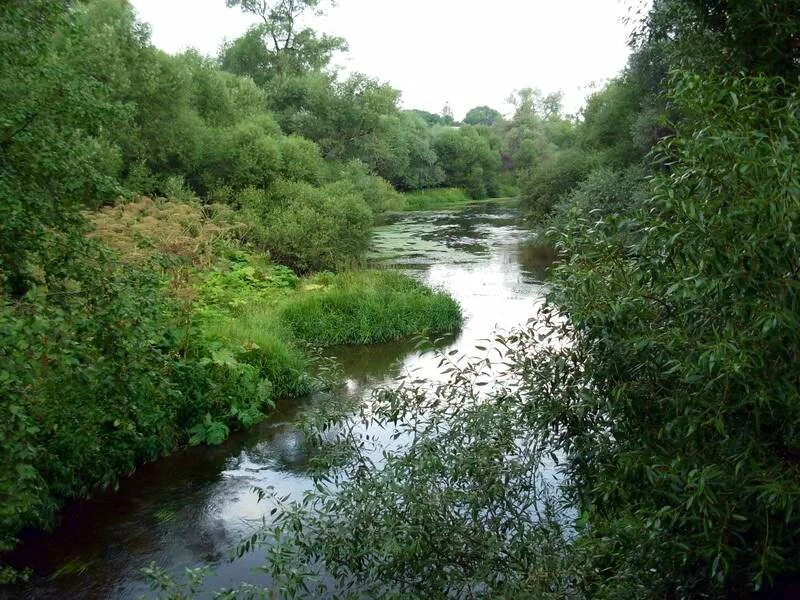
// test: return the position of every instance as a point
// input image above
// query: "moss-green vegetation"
(674, 406)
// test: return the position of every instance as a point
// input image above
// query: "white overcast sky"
(465, 52)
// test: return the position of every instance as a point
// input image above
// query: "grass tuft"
(368, 307)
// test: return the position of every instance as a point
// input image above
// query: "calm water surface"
(194, 506)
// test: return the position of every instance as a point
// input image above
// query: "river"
(193, 507)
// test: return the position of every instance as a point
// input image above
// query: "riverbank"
(444, 199)
(195, 506)
(234, 333)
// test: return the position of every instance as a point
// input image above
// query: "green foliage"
(700, 333)
(536, 130)
(276, 47)
(729, 36)
(378, 194)
(604, 193)
(209, 432)
(508, 185)
(436, 198)
(552, 179)
(245, 155)
(369, 307)
(659, 386)
(84, 374)
(225, 290)
(309, 228)
(609, 117)
(235, 310)
(220, 98)
(483, 115)
(52, 157)
(300, 160)
(429, 117)
(468, 161)
(401, 151)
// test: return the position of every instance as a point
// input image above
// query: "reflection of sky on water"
(195, 506)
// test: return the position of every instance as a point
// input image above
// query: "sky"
(463, 52)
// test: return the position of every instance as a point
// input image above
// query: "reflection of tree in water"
(458, 236)
(535, 259)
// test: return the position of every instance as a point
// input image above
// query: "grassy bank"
(444, 198)
(434, 198)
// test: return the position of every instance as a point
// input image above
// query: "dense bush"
(468, 161)
(95, 383)
(379, 194)
(308, 228)
(604, 192)
(247, 154)
(550, 180)
(694, 424)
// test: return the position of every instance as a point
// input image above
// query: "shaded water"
(194, 506)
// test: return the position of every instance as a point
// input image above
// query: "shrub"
(300, 160)
(308, 228)
(546, 183)
(85, 378)
(175, 187)
(468, 161)
(605, 192)
(687, 340)
(379, 194)
(245, 154)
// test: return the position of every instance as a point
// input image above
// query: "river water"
(193, 507)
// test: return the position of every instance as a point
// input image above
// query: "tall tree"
(483, 115)
(52, 114)
(278, 45)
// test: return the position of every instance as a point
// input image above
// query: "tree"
(429, 117)
(52, 153)
(468, 160)
(483, 115)
(447, 114)
(278, 46)
(401, 151)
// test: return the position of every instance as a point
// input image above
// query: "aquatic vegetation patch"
(367, 307)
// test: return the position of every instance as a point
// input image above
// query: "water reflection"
(194, 506)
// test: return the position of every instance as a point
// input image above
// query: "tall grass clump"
(369, 307)
(258, 339)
